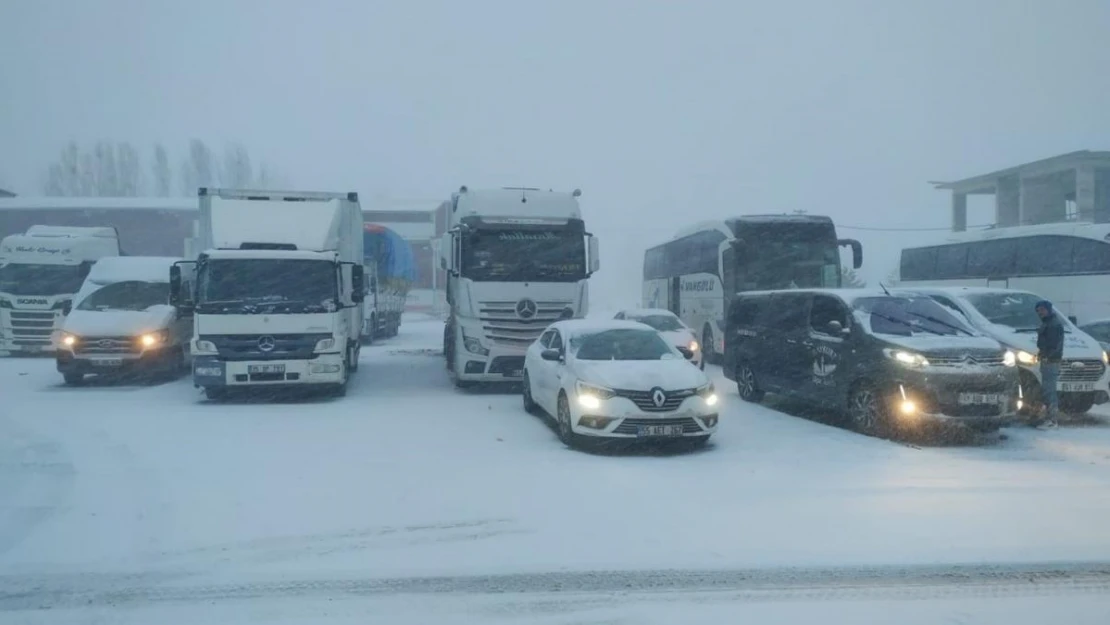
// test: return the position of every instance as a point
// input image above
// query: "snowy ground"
(414, 500)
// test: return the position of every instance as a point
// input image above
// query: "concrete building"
(1068, 187)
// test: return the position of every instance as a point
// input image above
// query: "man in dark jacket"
(1050, 347)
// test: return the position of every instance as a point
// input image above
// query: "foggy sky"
(664, 113)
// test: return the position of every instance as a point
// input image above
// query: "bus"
(697, 273)
(1067, 263)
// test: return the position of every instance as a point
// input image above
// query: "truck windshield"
(129, 295)
(788, 256)
(28, 279)
(524, 255)
(266, 286)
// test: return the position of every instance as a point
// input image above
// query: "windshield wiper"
(1025, 329)
(940, 322)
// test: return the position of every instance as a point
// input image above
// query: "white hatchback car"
(617, 380)
(670, 326)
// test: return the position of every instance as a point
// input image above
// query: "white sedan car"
(617, 380)
(670, 326)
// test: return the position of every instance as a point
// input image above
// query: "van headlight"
(69, 340)
(590, 396)
(1009, 358)
(709, 394)
(907, 359)
(153, 340)
(693, 346)
(1025, 357)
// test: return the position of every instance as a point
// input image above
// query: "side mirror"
(447, 253)
(835, 328)
(595, 262)
(686, 352)
(181, 296)
(857, 251)
(552, 355)
(1073, 319)
(358, 284)
(175, 285)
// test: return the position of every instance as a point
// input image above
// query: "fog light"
(595, 423)
(711, 400)
(589, 402)
(710, 421)
(908, 407)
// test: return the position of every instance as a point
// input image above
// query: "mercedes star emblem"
(266, 343)
(526, 308)
(658, 397)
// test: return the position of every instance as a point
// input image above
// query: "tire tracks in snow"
(563, 591)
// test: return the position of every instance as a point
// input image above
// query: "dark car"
(889, 360)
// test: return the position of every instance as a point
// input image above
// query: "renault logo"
(658, 397)
(526, 309)
(266, 343)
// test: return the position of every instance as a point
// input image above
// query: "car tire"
(708, 351)
(215, 393)
(530, 405)
(562, 422)
(747, 385)
(696, 442)
(373, 334)
(74, 379)
(867, 411)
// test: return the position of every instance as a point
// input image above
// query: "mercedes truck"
(40, 272)
(276, 291)
(517, 259)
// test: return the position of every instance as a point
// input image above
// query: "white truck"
(40, 272)
(276, 292)
(517, 259)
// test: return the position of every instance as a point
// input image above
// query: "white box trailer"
(276, 291)
(40, 272)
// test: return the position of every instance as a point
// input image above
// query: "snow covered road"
(143, 491)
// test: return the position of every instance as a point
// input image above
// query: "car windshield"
(620, 344)
(130, 295)
(907, 316)
(33, 279)
(662, 323)
(1013, 310)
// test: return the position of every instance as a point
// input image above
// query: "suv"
(891, 359)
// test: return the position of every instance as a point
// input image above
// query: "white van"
(123, 322)
(1010, 317)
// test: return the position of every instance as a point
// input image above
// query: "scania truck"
(276, 291)
(40, 272)
(517, 259)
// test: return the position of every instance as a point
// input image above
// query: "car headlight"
(1026, 358)
(693, 346)
(906, 359)
(204, 347)
(709, 394)
(590, 396)
(152, 339)
(69, 340)
(474, 345)
(324, 344)
(1009, 358)
(1105, 358)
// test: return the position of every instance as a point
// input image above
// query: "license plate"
(659, 430)
(1075, 387)
(980, 398)
(251, 369)
(107, 362)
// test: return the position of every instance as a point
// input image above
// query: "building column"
(959, 212)
(1007, 202)
(1085, 193)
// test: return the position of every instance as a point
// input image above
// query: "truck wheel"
(74, 379)
(373, 334)
(352, 358)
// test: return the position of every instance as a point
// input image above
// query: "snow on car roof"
(961, 290)
(578, 327)
(644, 312)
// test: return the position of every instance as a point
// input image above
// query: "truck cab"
(40, 273)
(517, 260)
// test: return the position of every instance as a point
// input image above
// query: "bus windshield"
(788, 255)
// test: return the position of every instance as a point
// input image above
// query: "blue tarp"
(392, 253)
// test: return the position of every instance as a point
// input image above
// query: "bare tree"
(849, 279)
(197, 169)
(129, 171)
(235, 171)
(163, 179)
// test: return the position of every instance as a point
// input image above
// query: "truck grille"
(1081, 370)
(258, 346)
(32, 327)
(644, 400)
(503, 324)
(107, 345)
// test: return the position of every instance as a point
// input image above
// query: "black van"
(890, 359)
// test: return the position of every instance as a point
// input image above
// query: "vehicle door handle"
(792, 341)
